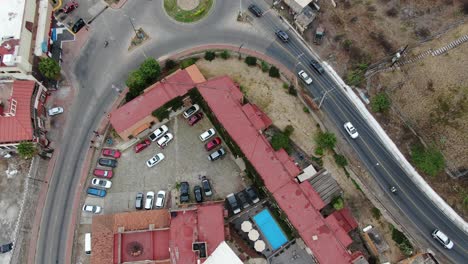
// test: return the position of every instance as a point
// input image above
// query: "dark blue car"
(96, 192)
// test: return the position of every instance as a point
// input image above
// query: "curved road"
(97, 69)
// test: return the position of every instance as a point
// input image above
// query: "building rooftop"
(11, 19)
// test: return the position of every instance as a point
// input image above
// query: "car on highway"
(160, 198)
(142, 145)
(191, 110)
(197, 192)
(95, 209)
(108, 162)
(164, 140)
(149, 200)
(206, 187)
(351, 130)
(107, 152)
(79, 24)
(184, 192)
(55, 111)
(213, 143)
(242, 198)
(158, 133)
(305, 77)
(155, 160)
(207, 134)
(96, 192)
(233, 204)
(139, 201)
(316, 66)
(282, 35)
(442, 238)
(252, 194)
(255, 10)
(195, 118)
(101, 183)
(217, 154)
(103, 173)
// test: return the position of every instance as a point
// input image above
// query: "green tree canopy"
(325, 140)
(274, 72)
(136, 81)
(429, 160)
(49, 68)
(251, 61)
(27, 149)
(279, 141)
(210, 55)
(380, 102)
(150, 70)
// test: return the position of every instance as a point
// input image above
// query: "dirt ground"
(284, 109)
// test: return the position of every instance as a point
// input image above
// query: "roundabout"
(187, 11)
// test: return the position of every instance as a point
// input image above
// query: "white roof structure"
(11, 19)
(297, 5)
(223, 254)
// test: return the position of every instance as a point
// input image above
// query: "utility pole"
(240, 47)
(323, 97)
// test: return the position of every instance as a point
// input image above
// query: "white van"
(87, 243)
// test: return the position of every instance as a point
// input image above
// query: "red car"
(69, 7)
(213, 143)
(142, 145)
(103, 173)
(111, 153)
(195, 118)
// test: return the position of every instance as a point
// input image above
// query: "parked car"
(142, 145)
(158, 133)
(55, 111)
(195, 118)
(316, 65)
(207, 134)
(149, 200)
(255, 10)
(162, 142)
(252, 195)
(108, 162)
(442, 238)
(139, 201)
(197, 191)
(106, 152)
(233, 204)
(101, 183)
(95, 209)
(351, 130)
(213, 143)
(217, 154)
(96, 192)
(184, 192)
(155, 160)
(103, 173)
(242, 198)
(160, 198)
(206, 186)
(191, 110)
(69, 7)
(6, 247)
(79, 24)
(305, 77)
(282, 35)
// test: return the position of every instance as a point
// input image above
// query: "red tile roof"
(259, 119)
(211, 225)
(4, 51)
(345, 219)
(19, 126)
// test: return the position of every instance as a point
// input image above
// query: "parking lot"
(185, 160)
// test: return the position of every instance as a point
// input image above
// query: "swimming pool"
(270, 229)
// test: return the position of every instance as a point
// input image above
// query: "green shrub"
(279, 141)
(288, 130)
(376, 213)
(325, 140)
(380, 102)
(187, 62)
(347, 44)
(274, 72)
(305, 109)
(337, 203)
(210, 55)
(27, 149)
(225, 54)
(403, 243)
(150, 70)
(356, 185)
(319, 151)
(160, 113)
(429, 160)
(356, 76)
(251, 61)
(169, 65)
(285, 86)
(49, 68)
(292, 91)
(340, 160)
(265, 66)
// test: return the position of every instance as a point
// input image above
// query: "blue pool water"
(270, 229)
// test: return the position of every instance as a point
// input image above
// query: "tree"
(49, 68)
(27, 149)
(380, 103)
(150, 70)
(225, 54)
(136, 80)
(288, 130)
(265, 66)
(340, 160)
(210, 55)
(337, 203)
(280, 141)
(430, 160)
(170, 64)
(325, 140)
(274, 72)
(251, 61)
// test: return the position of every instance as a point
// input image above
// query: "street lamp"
(133, 26)
(323, 97)
(240, 47)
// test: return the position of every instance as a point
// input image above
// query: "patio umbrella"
(259, 245)
(246, 226)
(253, 235)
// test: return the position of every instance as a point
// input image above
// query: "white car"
(101, 183)
(351, 130)
(55, 111)
(155, 160)
(95, 209)
(160, 198)
(149, 200)
(442, 238)
(191, 110)
(162, 142)
(207, 134)
(305, 77)
(158, 133)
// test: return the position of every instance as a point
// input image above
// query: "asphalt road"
(99, 68)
